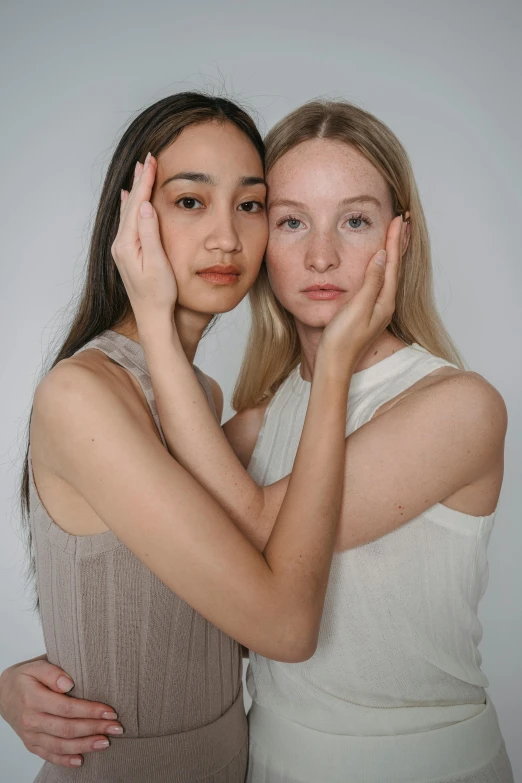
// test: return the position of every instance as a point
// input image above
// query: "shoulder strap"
(420, 363)
(128, 354)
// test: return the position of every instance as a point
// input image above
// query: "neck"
(384, 345)
(189, 325)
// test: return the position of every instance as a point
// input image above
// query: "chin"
(318, 314)
(221, 300)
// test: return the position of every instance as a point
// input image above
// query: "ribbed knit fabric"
(127, 640)
(395, 683)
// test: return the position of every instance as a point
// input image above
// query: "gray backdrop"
(443, 75)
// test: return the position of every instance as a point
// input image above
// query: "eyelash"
(359, 216)
(192, 198)
(362, 217)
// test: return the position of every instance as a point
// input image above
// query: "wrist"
(157, 327)
(161, 344)
(335, 366)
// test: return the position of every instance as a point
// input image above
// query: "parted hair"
(273, 348)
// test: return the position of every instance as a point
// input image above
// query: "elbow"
(302, 652)
(295, 642)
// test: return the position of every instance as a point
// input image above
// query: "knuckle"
(39, 666)
(66, 730)
(67, 708)
(57, 746)
(26, 721)
(25, 698)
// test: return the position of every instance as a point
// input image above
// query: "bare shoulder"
(217, 395)
(81, 387)
(462, 399)
(466, 391)
(242, 431)
(76, 378)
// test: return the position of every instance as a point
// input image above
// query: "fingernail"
(64, 684)
(99, 744)
(76, 762)
(146, 209)
(380, 258)
(136, 168)
(115, 730)
(109, 715)
(147, 161)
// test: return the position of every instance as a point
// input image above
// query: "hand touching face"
(209, 195)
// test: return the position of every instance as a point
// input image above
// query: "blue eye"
(358, 221)
(290, 222)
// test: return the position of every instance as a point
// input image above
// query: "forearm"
(299, 529)
(311, 508)
(195, 438)
(301, 542)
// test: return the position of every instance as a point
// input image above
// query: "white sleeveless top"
(398, 645)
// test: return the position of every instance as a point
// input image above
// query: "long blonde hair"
(273, 348)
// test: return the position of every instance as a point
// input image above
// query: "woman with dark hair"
(394, 692)
(146, 585)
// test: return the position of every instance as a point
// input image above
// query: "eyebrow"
(345, 202)
(207, 179)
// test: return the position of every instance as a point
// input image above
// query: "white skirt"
(282, 751)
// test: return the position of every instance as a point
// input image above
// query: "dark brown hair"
(103, 302)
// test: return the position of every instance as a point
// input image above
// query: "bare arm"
(439, 440)
(436, 442)
(116, 462)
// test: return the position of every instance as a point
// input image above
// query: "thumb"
(49, 675)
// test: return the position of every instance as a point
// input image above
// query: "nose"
(223, 234)
(322, 254)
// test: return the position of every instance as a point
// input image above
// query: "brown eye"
(251, 206)
(189, 203)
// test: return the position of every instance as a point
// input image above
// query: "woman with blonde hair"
(394, 690)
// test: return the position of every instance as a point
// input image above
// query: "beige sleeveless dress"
(128, 641)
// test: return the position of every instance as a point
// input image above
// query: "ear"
(407, 232)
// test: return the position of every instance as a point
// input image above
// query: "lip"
(326, 291)
(220, 274)
(324, 287)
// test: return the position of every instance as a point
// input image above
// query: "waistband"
(405, 758)
(176, 758)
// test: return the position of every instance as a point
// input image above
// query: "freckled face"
(213, 215)
(329, 210)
